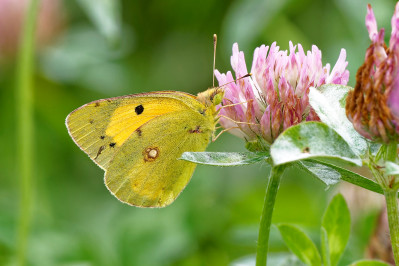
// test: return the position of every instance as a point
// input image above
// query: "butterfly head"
(211, 97)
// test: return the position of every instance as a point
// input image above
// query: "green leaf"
(224, 158)
(106, 16)
(329, 103)
(326, 174)
(336, 222)
(300, 244)
(369, 263)
(325, 253)
(391, 168)
(353, 178)
(310, 140)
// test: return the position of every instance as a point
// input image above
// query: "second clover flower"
(373, 106)
(277, 96)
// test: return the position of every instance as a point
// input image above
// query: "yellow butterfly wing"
(99, 128)
(146, 171)
(169, 122)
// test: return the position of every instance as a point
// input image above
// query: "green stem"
(393, 220)
(392, 202)
(25, 126)
(266, 218)
(392, 151)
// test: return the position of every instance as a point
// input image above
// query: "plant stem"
(25, 126)
(392, 202)
(392, 151)
(393, 220)
(266, 218)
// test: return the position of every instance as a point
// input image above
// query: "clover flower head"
(276, 96)
(373, 106)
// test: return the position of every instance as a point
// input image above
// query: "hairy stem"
(266, 218)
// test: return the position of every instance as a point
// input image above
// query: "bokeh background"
(92, 49)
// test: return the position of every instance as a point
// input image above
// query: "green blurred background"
(103, 48)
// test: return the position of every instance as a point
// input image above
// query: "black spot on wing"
(100, 150)
(139, 132)
(197, 129)
(139, 109)
(102, 137)
(112, 144)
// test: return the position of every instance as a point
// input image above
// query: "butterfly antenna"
(245, 76)
(215, 40)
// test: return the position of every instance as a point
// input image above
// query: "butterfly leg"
(238, 122)
(221, 132)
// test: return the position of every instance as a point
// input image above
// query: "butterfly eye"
(217, 99)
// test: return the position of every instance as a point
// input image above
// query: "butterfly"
(138, 139)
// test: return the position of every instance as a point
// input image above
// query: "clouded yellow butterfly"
(138, 140)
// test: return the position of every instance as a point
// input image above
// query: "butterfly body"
(138, 140)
